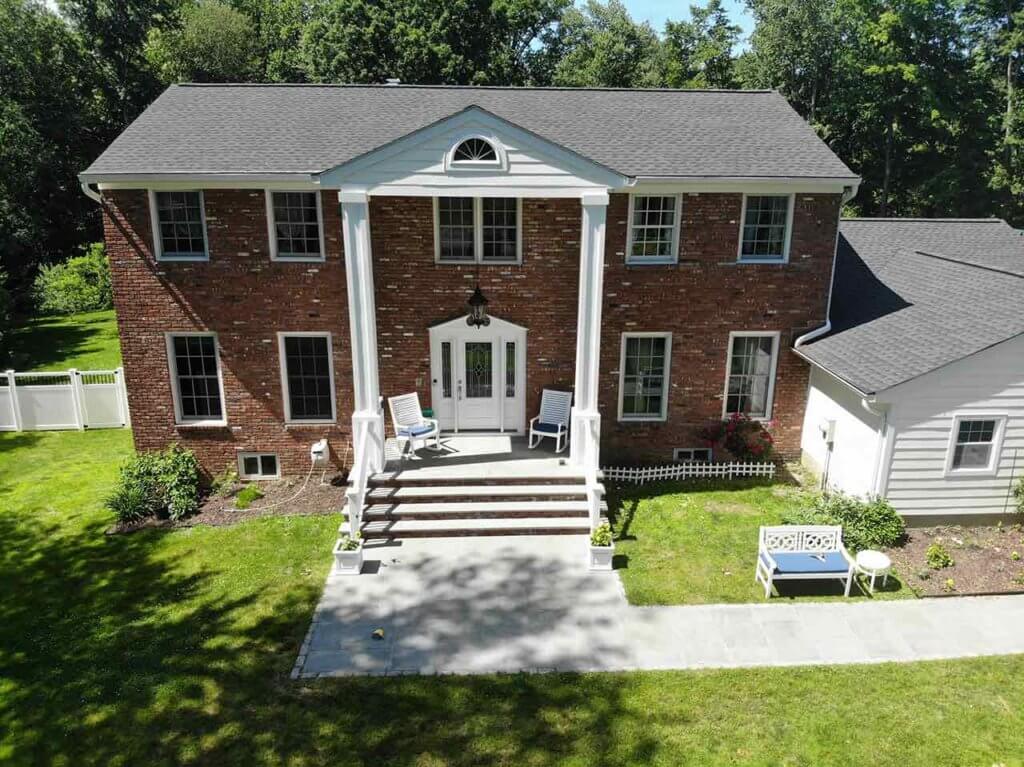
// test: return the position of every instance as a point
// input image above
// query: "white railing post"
(77, 398)
(122, 389)
(15, 408)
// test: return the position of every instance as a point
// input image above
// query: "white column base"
(373, 422)
(585, 438)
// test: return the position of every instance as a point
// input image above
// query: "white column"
(362, 315)
(586, 421)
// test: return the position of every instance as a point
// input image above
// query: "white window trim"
(784, 259)
(654, 260)
(172, 369)
(283, 365)
(677, 450)
(776, 336)
(272, 229)
(665, 385)
(257, 456)
(154, 220)
(997, 444)
(477, 166)
(478, 233)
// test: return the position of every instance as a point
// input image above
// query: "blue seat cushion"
(796, 563)
(547, 428)
(416, 431)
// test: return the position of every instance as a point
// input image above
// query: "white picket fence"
(70, 399)
(640, 475)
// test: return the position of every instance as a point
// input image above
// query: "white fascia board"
(794, 185)
(174, 181)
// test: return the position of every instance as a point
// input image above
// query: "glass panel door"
(479, 370)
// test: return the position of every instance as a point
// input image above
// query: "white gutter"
(848, 194)
(91, 193)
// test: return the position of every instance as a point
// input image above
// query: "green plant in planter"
(602, 536)
(938, 557)
(350, 542)
(247, 495)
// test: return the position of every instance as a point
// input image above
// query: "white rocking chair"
(553, 420)
(410, 425)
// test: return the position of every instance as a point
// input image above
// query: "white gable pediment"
(419, 164)
(459, 323)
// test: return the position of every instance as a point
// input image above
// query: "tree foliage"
(214, 43)
(699, 53)
(80, 284)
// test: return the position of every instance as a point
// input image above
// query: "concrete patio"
(509, 604)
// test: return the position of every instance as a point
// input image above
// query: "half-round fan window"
(475, 150)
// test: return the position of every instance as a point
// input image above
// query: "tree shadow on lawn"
(46, 343)
(110, 654)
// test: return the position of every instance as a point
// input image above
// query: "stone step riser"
(456, 498)
(518, 514)
(455, 532)
(462, 481)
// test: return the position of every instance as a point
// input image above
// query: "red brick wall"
(414, 293)
(243, 297)
(700, 301)
(247, 299)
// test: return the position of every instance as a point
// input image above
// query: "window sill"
(651, 262)
(969, 473)
(318, 422)
(181, 259)
(298, 259)
(643, 419)
(201, 425)
(762, 260)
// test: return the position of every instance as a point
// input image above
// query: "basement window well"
(257, 466)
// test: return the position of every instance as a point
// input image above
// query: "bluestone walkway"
(481, 605)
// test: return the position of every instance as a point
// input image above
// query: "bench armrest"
(847, 556)
(762, 551)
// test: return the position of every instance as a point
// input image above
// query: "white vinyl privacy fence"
(72, 399)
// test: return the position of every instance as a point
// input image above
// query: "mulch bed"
(218, 511)
(986, 560)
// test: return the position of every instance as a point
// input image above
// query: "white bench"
(802, 552)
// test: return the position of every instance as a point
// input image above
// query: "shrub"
(867, 524)
(164, 484)
(938, 557)
(602, 536)
(744, 438)
(247, 495)
(224, 483)
(6, 305)
(1018, 493)
(80, 284)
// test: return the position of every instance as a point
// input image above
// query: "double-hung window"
(295, 226)
(750, 380)
(307, 377)
(975, 444)
(196, 383)
(179, 225)
(766, 227)
(653, 229)
(643, 376)
(477, 230)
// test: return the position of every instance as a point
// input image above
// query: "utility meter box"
(828, 430)
(320, 453)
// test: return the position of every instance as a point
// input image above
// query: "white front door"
(478, 376)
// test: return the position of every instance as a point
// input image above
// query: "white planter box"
(348, 562)
(601, 557)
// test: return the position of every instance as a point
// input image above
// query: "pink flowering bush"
(744, 438)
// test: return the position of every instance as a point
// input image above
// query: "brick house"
(284, 256)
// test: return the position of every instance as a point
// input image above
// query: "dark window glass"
(308, 371)
(297, 224)
(764, 227)
(653, 225)
(643, 380)
(268, 464)
(251, 465)
(479, 367)
(180, 219)
(510, 369)
(195, 366)
(455, 228)
(500, 229)
(446, 369)
(475, 150)
(973, 448)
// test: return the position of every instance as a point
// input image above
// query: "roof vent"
(392, 81)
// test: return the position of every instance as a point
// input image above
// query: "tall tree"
(49, 131)
(279, 27)
(698, 52)
(420, 41)
(214, 43)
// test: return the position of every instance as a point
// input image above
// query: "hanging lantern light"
(477, 310)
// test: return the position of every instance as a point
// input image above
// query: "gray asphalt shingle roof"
(912, 295)
(267, 129)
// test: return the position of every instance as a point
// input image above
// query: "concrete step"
(445, 528)
(419, 479)
(478, 510)
(456, 493)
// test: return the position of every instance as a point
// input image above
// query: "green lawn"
(680, 544)
(86, 341)
(175, 647)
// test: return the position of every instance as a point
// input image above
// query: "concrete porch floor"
(480, 456)
(509, 604)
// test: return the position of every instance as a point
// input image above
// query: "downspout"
(91, 193)
(878, 474)
(848, 194)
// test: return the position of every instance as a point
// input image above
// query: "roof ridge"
(411, 86)
(955, 260)
(940, 220)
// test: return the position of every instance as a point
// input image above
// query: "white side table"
(874, 563)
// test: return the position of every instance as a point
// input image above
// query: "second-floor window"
(653, 229)
(477, 229)
(766, 228)
(179, 225)
(295, 226)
